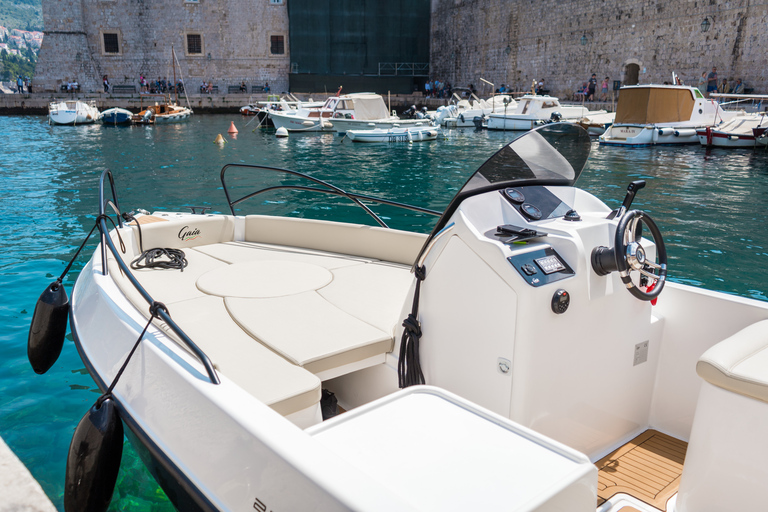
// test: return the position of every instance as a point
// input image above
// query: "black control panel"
(535, 202)
(541, 266)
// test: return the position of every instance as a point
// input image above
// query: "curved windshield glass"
(554, 154)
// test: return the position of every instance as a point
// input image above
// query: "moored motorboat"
(534, 110)
(740, 132)
(528, 312)
(357, 111)
(116, 116)
(462, 114)
(396, 134)
(662, 114)
(261, 109)
(72, 112)
(597, 124)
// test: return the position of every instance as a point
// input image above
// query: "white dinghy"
(397, 134)
(553, 383)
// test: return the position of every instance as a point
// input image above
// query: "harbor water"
(711, 205)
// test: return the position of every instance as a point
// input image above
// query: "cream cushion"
(308, 330)
(263, 279)
(739, 363)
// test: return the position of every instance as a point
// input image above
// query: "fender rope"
(408, 366)
(153, 309)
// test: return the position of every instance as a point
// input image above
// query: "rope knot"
(412, 326)
(155, 307)
(420, 272)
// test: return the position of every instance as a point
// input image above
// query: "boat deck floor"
(647, 468)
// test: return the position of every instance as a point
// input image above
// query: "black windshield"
(554, 154)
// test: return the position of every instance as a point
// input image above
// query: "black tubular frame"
(106, 242)
(329, 189)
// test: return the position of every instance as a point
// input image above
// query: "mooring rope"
(153, 313)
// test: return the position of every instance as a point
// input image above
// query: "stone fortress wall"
(503, 41)
(235, 37)
(516, 41)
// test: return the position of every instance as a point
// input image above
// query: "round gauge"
(514, 195)
(531, 211)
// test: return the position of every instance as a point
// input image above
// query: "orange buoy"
(232, 128)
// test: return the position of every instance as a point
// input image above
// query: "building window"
(276, 2)
(194, 44)
(278, 45)
(111, 43)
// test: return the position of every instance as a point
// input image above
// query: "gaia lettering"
(186, 234)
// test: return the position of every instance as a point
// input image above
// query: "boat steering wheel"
(628, 255)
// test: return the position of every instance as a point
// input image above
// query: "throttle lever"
(632, 189)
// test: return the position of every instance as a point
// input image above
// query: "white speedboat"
(553, 382)
(462, 114)
(72, 112)
(533, 110)
(358, 111)
(396, 134)
(740, 132)
(261, 109)
(662, 114)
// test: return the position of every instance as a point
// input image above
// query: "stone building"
(633, 41)
(224, 42)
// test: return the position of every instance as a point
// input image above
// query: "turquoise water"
(710, 205)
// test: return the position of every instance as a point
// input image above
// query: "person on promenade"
(604, 90)
(592, 85)
(106, 83)
(712, 81)
(20, 85)
(724, 87)
(702, 84)
(266, 86)
(738, 88)
(243, 88)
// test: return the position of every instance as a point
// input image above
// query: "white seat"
(739, 363)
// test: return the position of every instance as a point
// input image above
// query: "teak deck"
(647, 468)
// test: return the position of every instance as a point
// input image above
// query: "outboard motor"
(478, 122)
(410, 111)
(556, 117)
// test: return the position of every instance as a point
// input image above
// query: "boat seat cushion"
(739, 363)
(336, 237)
(272, 379)
(182, 233)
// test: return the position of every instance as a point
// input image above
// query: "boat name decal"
(185, 234)
(260, 506)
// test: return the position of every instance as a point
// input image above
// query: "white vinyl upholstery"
(353, 239)
(739, 363)
(271, 317)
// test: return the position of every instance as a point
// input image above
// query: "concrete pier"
(19, 492)
(37, 103)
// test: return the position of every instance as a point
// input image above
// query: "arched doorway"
(631, 74)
